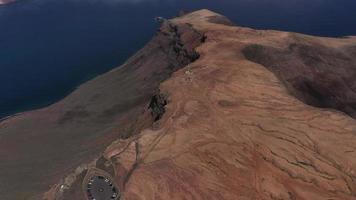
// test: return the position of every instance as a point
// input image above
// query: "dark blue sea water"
(49, 47)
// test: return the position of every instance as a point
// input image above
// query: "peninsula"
(206, 110)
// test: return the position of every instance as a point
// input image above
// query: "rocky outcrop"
(157, 106)
(233, 127)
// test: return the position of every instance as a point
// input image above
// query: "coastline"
(55, 100)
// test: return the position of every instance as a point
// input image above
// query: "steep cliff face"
(237, 124)
(39, 149)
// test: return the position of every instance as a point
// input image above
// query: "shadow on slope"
(318, 75)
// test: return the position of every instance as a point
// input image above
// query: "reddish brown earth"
(259, 115)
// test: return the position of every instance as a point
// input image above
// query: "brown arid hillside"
(246, 115)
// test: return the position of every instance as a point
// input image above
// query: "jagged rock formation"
(157, 106)
(237, 124)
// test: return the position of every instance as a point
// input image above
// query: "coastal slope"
(260, 115)
(39, 148)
